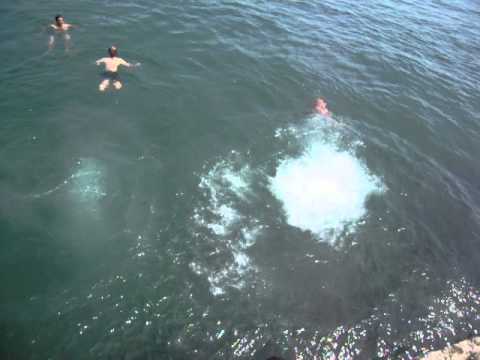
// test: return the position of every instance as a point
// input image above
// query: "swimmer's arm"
(127, 64)
(50, 29)
(100, 61)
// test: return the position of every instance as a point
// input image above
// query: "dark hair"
(58, 17)
(275, 358)
(112, 51)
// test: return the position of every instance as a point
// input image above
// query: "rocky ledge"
(463, 350)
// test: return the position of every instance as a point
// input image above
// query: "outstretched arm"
(100, 61)
(127, 64)
(49, 29)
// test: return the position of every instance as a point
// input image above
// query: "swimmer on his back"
(111, 69)
(59, 26)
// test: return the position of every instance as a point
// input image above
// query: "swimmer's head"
(59, 20)
(321, 107)
(112, 51)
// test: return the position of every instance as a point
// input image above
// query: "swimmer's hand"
(130, 65)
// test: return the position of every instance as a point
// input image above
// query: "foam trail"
(85, 183)
(225, 187)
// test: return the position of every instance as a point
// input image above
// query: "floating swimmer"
(111, 69)
(61, 27)
(321, 107)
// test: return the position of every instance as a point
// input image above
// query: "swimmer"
(60, 26)
(111, 69)
(321, 107)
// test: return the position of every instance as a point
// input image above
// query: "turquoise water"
(205, 212)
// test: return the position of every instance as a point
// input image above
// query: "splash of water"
(325, 189)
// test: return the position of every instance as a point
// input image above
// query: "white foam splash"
(325, 189)
(227, 217)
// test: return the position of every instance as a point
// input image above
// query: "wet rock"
(463, 350)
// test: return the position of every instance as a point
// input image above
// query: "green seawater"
(204, 211)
